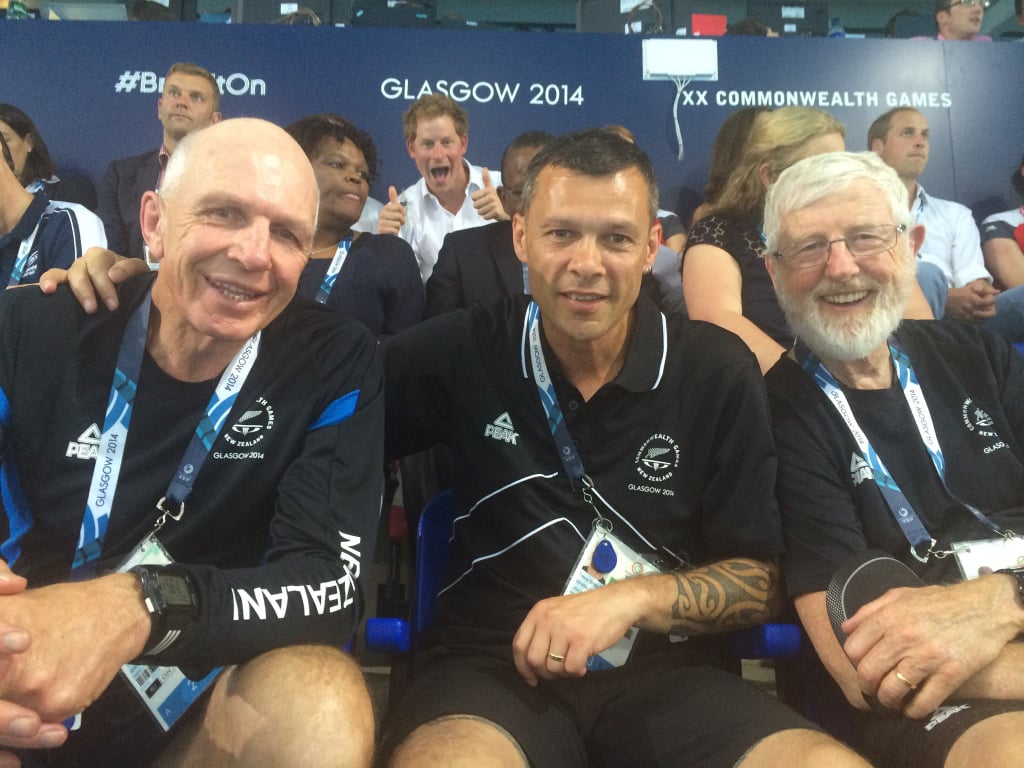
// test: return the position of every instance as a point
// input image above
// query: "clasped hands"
(914, 647)
(60, 646)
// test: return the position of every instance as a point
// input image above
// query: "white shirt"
(427, 221)
(369, 217)
(951, 239)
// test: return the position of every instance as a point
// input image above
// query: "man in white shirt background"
(451, 194)
(950, 267)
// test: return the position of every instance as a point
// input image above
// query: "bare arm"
(726, 595)
(1005, 260)
(917, 307)
(676, 242)
(712, 286)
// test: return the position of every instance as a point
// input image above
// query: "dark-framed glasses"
(862, 243)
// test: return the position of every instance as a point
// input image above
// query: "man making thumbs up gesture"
(452, 194)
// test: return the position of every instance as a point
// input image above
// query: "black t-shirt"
(973, 384)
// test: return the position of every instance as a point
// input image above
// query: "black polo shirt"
(678, 445)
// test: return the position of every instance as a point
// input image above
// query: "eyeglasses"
(968, 3)
(861, 243)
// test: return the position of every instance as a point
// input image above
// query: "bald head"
(232, 227)
(246, 140)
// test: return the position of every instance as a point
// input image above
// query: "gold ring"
(556, 657)
(902, 679)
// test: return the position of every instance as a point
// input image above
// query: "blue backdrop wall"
(92, 89)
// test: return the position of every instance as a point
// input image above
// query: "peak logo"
(87, 445)
(502, 430)
(859, 470)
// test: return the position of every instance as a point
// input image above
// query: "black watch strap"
(1018, 574)
(172, 601)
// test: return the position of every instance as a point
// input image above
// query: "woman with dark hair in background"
(724, 278)
(373, 278)
(33, 165)
(725, 154)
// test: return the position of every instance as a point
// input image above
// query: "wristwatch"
(1018, 574)
(172, 602)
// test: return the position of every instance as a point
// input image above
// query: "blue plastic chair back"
(433, 542)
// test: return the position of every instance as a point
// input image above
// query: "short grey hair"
(821, 176)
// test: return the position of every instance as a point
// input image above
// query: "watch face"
(175, 590)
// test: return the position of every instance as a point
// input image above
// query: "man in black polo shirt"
(592, 438)
(905, 438)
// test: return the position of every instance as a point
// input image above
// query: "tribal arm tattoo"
(727, 595)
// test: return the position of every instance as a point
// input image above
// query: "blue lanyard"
(567, 452)
(526, 280)
(327, 285)
(549, 399)
(922, 545)
(115, 433)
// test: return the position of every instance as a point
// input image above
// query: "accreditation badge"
(972, 556)
(603, 560)
(165, 691)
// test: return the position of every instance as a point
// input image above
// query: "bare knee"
(996, 741)
(302, 705)
(799, 746)
(459, 741)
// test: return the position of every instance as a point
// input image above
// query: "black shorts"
(890, 740)
(656, 710)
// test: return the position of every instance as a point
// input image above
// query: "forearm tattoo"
(727, 595)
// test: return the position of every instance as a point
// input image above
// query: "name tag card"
(604, 560)
(971, 556)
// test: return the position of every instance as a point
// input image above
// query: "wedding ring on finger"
(556, 657)
(904, 680)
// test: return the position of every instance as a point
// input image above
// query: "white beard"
(846, 338)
